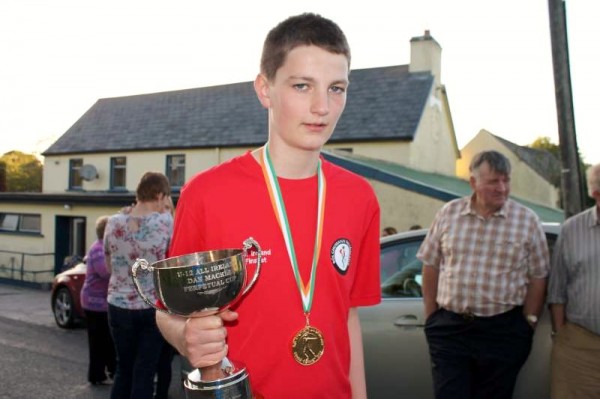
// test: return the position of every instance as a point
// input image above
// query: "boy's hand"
(204, 338)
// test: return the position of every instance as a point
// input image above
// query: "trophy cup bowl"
(202, 284)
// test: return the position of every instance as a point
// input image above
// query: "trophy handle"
(249, 243)
(143, 263)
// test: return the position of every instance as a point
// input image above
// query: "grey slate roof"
(541, 161)
(383, 104)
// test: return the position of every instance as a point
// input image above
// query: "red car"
(66, 305)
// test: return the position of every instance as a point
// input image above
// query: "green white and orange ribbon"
(306, 290)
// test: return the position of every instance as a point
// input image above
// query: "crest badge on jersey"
(341, 251)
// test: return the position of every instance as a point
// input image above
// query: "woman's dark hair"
(151, 185)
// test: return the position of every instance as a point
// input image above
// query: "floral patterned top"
(126, 239)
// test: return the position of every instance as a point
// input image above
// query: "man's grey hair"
(593, 179)
(497, 162)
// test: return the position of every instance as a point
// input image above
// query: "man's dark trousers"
(477, 357)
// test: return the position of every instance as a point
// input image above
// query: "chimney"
(426, 55)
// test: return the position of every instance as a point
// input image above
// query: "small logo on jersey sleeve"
(341, 251)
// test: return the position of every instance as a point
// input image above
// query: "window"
(23, 223)
(30, 223)
(75, 179)
(176, 170)
(401, 271)
(9, 222)
(118, 169)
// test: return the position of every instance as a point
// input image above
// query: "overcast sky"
(59, 57)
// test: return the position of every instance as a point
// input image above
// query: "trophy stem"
(213, 373)
(227, 380)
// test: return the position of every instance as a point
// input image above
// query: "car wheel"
(64, 308)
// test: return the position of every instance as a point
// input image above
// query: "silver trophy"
(202, 284)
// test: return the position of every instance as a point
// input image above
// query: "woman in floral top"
(144, 232)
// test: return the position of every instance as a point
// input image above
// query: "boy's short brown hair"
(301, 30)
(151, 185)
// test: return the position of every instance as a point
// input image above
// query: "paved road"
(25, 304)
(40, 360)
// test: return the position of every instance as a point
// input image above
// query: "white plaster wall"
(389, 151)
(56, 168)
(56, 174)
(402, 208)
(433, 148)
(44, 243)
(199, 160)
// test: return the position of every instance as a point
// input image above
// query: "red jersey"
(223, 206)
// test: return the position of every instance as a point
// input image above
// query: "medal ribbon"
(306, 291)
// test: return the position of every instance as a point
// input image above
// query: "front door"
(69, 240)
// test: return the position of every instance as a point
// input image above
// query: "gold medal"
(308, 346)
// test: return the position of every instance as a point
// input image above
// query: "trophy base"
(235, 385)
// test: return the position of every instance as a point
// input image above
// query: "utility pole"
(571, 178)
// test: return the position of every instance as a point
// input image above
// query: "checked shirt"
(484, 264)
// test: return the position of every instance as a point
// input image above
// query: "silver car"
(396, 354)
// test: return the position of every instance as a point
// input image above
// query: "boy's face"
(306, 98)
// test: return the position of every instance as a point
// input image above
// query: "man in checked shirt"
(485, 263)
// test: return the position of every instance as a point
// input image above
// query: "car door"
(396, 353)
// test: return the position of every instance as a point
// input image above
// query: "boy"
(328, 216)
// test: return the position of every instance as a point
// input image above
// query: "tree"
(544, 143)
(23, 172)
